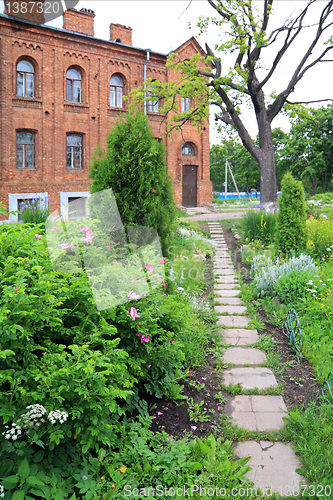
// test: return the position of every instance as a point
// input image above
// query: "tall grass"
(259, 226)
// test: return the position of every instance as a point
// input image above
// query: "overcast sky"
(162, 25)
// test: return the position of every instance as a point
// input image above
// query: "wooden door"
(189, 186)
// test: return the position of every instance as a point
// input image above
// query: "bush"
(259, 226)
(320, 238)
(134, 167)
(267, 273)
(34, 211)
(291, 225)
(297, 285)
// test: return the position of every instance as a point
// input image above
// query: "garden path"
(274, 464)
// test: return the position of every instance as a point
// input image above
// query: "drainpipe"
(144, 78)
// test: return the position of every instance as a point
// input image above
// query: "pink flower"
(161, 261)
(134, 313)
(193, 427)
(190, 372)
(159, 413)
(15, 287)
(133, 295)
(144, 339)
(163, 293)
(149, 267)
(87, 238)
(199, 383)
(37, 236)
(163, 283)
(86, 230)
(66, 245)
(54, 228)
(149, 366)
(138, 334)
(109, 247)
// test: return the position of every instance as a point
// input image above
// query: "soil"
(203, 384)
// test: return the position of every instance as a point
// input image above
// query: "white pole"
(233, 179)
(226, 179)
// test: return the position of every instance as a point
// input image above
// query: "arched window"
(116, 92)
(25, 79)
(188, 149)
(73, 85)
(152, 105)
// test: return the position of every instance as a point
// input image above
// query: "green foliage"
(291, 225)
(134, 167)
(309, 148)
(320, 238)
(3, 210)
(310, 431)
(259, 226)
(296, 286)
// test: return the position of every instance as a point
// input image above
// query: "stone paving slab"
(226, 286)
(223, 265)
(225, 293)
(273, 466)
(257, 413)
(223, 271)
(240, 336)
(257, 377)
(244, 356)
(226, 279)
(230, 309)
(233, 301)
(234, 321)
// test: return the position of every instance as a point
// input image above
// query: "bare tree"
(249, 37)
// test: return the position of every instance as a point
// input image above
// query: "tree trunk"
(314, 187)
(324, 180)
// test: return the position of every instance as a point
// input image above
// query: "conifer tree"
(134, 167)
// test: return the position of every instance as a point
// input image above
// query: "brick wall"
(51, 117)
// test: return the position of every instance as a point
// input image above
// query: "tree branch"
(308, 102)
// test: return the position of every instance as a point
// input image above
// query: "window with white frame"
(16, 200)
(73, 85)
(152, 104)
(186, 104)
(74, 204)
(25, 76)
(116, 92)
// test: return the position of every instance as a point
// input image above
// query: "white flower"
(57, 415)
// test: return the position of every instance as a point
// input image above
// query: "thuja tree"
(257, 52)
(291, 226)
(133, 165)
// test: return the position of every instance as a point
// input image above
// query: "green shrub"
(134, 167)
(259, 226)
(291, 225)
(297, 285)
(320, 238)
(34, 211)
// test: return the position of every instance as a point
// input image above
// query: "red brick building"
(61, 91)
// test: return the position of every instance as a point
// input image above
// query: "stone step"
(226, 279)
(233, 301)
(226, 286)
(273, 465)
(244, 356)
(230, 309)
(234, 321)
(226, 293)
(240, 336)
(257, 413)
(223, 271)
(258, 377)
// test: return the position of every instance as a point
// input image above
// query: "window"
(74, 151)
(25, 149)
(15, 201)
(152, 106)
(25, 79)
(186, 104)
(74, 204)
(77, 207)
(116, 92)
(188, 149)
(73, 85)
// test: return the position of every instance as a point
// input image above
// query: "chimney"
(31, 11)
(121, 34)
(79, 21)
